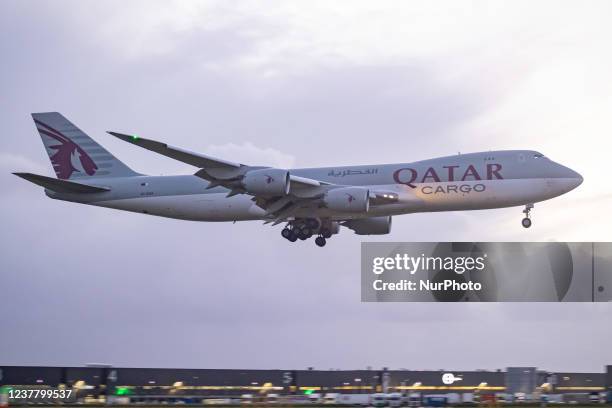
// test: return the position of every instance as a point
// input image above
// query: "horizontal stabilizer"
(60, 186)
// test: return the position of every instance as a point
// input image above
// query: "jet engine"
(370, 226)
(273, 182)
(348, 199)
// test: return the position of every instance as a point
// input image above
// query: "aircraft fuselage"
(454, 183)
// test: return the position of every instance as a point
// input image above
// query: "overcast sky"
(292, 84)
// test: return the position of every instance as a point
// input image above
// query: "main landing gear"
(305, 228)
(324, 234)
(526, 222)
(320, 241)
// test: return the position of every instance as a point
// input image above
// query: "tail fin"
(73, 154)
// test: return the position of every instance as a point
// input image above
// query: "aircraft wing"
(303, 192)
(218, 172)
(185, 156)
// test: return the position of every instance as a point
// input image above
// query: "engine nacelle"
(348, 199)
(370, 226)
(273, 182)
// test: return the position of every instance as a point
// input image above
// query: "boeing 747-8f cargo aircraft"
(312, 201)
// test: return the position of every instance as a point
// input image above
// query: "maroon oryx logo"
(350, 198)
(69, 156)
(269, 179)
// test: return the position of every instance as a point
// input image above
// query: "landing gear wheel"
(292, 236)
(301, 233)
(526, 222)
(320, 241)
(312, 223)
(326, 233)
(286, 232)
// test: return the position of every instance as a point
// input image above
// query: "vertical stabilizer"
(73, 154)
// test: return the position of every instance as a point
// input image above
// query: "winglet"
(124, 137)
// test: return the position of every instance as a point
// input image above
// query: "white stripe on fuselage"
(425, 197)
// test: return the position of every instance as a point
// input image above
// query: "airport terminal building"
(196, 385)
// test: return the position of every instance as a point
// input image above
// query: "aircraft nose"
(579, 179)
(575, 177)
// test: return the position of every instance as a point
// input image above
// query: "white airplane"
(311, 201)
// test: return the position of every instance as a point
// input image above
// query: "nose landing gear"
(526, 222)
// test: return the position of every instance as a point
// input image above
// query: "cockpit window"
(538, 155)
